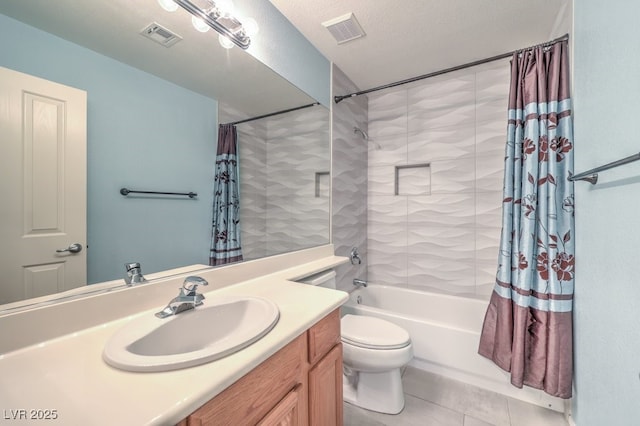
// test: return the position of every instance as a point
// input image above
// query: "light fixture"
(225, 42)
(168, 5)
(199, 24)
(250, 27)
(219, 16)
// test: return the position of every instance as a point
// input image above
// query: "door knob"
(73, 248)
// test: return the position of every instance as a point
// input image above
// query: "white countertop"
(68, 376)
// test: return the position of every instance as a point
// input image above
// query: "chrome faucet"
(134, 274)
(354, 256)
(359, 283)
(187, 299)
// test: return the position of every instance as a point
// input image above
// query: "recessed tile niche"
(413, 179)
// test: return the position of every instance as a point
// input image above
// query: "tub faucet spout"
(359, 283)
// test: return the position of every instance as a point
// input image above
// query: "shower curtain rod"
(284, 111)
(338, 99)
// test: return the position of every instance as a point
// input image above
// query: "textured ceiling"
(407, 38)
(404, 38)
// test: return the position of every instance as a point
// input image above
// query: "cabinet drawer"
(323, 336)
(254, 395)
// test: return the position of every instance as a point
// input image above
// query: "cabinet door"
(325, 390)
(288, 412)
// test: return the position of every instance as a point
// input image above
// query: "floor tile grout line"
(435, 403)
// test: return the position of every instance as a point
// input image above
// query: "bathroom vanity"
(292, 375)
(300, 384)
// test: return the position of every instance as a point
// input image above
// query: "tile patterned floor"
(433, 400)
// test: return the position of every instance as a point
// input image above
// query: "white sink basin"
(220, 327)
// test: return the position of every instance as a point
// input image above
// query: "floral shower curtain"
(528, 327)
(225, 235)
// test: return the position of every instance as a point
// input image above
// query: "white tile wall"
(349, 180)
(442, 231)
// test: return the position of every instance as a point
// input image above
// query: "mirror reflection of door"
(43, 190)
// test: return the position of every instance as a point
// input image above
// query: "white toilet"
(374, 350)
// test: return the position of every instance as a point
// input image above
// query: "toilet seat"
(372, 333)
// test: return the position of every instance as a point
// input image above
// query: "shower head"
(365, 136)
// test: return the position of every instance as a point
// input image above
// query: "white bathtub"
(445, 331)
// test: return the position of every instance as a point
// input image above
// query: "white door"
(43, 173)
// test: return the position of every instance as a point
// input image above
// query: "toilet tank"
(326, 279)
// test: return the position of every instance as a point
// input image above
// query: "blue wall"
(143, 133)
(284, 49)
(607, 292)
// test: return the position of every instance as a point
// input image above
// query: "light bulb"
(199, 24)
(225, 42)
(168, 5)
(225, 7)
(250, 26)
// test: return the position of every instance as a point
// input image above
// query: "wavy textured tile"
(387, 113)
(381, 180)
(448, 266)
(458, 115)
(491, 138)
(457, 124)
(452, 176)
(442, 143)
(492, 110)
(392, 150)
(349, 180)
(489, 173)
(441, 210)
(387, 266)
(487, 242)
(493, 83)
(387, 209)
(444, 94)
(488, 209)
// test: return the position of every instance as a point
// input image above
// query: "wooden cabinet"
(325, 390)
(299, 385)
(251, 398)
(325, 372)
(287, 412)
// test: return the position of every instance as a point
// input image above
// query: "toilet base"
(381, 392)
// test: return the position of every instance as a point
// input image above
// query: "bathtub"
(445, 331)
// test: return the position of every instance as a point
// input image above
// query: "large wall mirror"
(151, 124)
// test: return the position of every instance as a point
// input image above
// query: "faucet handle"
(132, 265)
(134, 273)
(191, 284)
(354, 256)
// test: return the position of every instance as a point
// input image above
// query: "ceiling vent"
(160, 34)
(344, 28)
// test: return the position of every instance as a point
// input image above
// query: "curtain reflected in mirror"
(284, 180)
(226, 246)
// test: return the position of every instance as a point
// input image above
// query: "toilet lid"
(373, 333)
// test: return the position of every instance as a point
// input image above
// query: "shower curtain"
(225, 235)
(528, 328)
